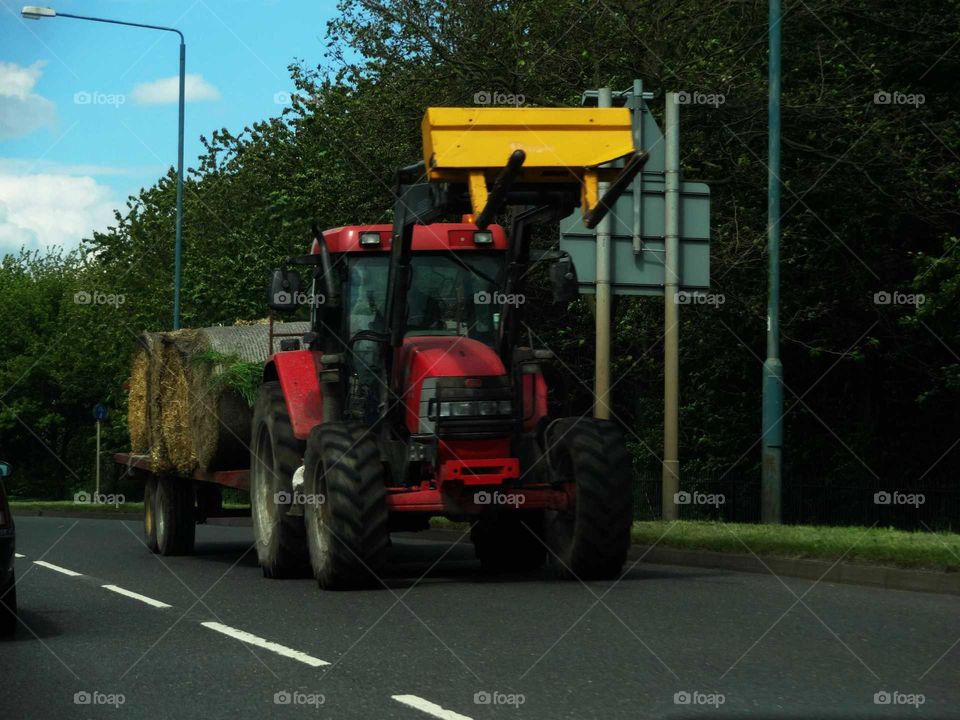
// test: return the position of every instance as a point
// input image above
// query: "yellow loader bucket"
(471, 145)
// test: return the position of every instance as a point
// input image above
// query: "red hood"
(426, 356)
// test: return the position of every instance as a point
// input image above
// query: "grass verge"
(876, 546)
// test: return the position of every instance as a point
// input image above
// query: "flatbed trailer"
(173, 503)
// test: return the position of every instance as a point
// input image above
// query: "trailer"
(174, 503)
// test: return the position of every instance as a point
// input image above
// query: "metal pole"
(772, 439)
(601, 389)
(671, 310)
(96, 492)
(178, 249)
(638, 182)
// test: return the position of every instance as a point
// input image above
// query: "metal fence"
(927, 504)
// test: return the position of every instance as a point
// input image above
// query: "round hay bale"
(137, 423)
(220, 415)
(175, 405)
(200, 395)
(157, 450)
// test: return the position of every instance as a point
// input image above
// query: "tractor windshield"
(451, 294)
(455, 294)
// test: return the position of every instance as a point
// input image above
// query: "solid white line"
(136, 596)
(18, 555)
(418, 703)
(246, 637)
(65, 571)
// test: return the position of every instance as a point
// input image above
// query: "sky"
(88, 111)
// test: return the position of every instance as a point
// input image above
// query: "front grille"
(451, 408)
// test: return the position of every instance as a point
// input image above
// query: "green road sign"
(642, 273)
(637, 223)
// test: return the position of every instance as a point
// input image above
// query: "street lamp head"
(35, 12)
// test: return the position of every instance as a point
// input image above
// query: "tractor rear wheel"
(591, 539)
(175, 521)
(509, 542)
(274, 458)
(150, 513)
(345, 512)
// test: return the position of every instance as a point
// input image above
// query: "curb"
(93, 515)
(137, 516)
(879, 576)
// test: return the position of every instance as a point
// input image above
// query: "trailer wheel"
(8, 609)
(509, 542)
(346, 510)
(175, 522)
(591, 539)
(150, 513)
(274, 458)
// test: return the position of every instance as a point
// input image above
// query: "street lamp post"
(33, 12)
(771, 487)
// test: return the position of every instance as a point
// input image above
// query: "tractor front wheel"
(345, 508)
(274, 458)
(590, 540)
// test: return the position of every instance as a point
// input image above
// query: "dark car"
(8, 591)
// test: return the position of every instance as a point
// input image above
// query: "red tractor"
(414, 395)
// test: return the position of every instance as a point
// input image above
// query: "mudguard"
(298, 372)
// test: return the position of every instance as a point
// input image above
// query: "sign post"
(100, 413)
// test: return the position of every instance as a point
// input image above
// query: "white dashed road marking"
(137, 596)
(428, 707)
(246, 637)
(51, 566)
(18, 555)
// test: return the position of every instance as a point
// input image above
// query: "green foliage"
(869, 205)
(233, 372)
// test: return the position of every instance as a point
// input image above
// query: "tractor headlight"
(475, 408)
(463, 409)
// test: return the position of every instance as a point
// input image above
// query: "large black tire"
(345, 514)
(590, 541)
(509, 541)
(275, 455)
(8, 609)
(150, 513)
(175, 521)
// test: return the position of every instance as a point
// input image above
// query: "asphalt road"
(442, 638)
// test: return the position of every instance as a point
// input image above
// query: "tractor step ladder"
(503, 146)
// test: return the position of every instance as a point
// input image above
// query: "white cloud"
(167, 90)
(24, 166)
(21, 110)
(43, 210)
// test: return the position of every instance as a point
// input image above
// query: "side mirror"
(284, 290)
(5, 469)
(563, 278)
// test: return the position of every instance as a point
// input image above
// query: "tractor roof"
(438, 236)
